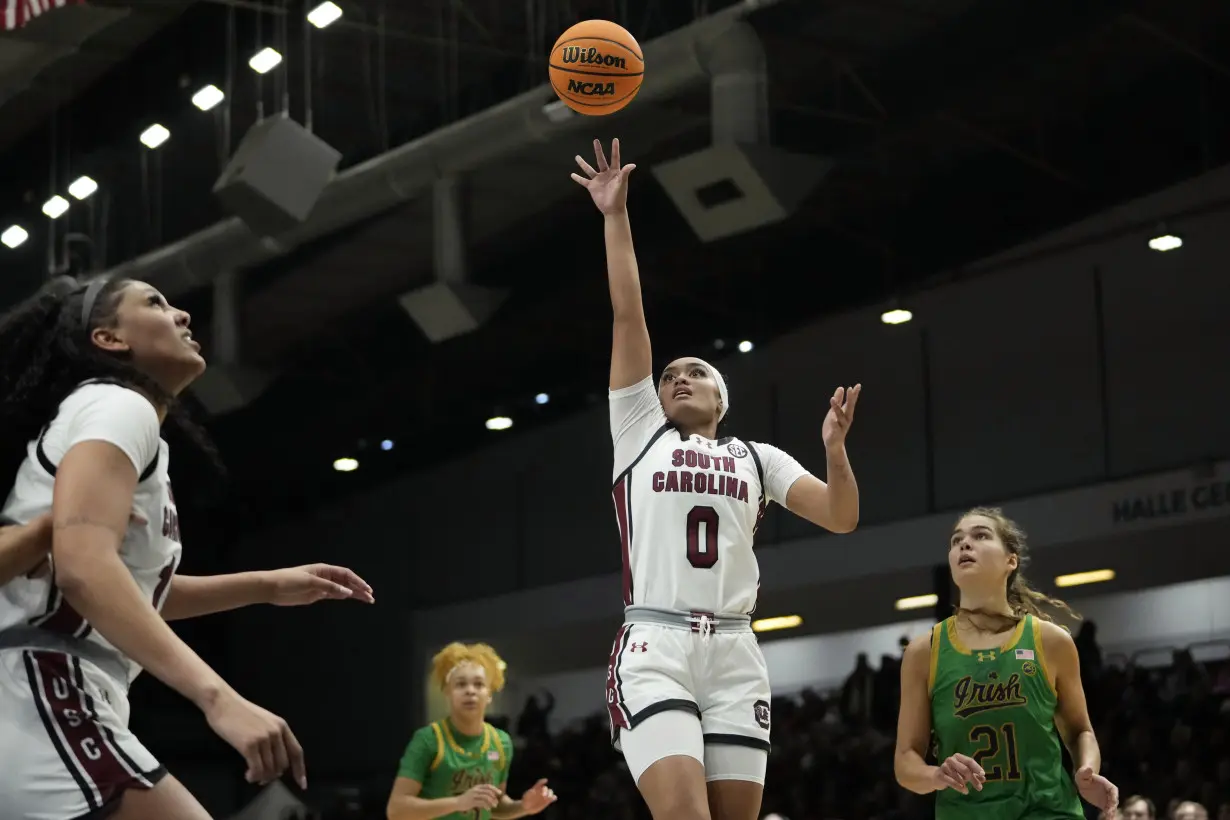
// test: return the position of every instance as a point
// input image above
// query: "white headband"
(721, 386)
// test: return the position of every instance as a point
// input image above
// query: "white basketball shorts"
(68, 753)
(720, 677)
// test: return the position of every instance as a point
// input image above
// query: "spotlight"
(542, 398)
(82, 187)
(154, 136)
(325, 14)
(14, 236)
(499, 423)
(897, 316)
(208, 97)
(1166, 242)
(265, 60)
(55, 207)
(386, 445)
(346, 465)
(745, 347)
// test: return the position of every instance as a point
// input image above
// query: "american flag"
(19, 12)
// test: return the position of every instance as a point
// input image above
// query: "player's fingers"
(294, 755)
(586, 167)
(970, 764)
(281, 760)
(579, 180)
(627, 170)
(852, 398)
(615, 153)
(958, 769)
(542, 782)
(264, 770)
(600, 155)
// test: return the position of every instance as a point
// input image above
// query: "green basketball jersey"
(997, 706)
(449, 763)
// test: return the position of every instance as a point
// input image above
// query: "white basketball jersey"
(151, 548)
(688, 508)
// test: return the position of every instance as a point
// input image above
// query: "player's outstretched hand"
(267, 744)
(537, 798)
(1098, 791)
(609, 184)
(483, 796)
(957, 771)
(296, 586)
(838, 420)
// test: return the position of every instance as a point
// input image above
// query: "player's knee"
(674, 789)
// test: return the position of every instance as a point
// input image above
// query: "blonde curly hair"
(447, 659)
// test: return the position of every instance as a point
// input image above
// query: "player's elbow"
(842, 524)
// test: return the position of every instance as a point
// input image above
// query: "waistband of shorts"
(32, 637)
(691, 621)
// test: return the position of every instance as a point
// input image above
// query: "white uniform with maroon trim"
(63, 687)
(688, 511)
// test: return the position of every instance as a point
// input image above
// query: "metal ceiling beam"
(679, 60)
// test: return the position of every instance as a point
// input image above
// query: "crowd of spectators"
(1164, 733)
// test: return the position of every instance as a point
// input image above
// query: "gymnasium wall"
(1082, 358)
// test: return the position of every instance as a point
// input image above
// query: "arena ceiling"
(957, 127)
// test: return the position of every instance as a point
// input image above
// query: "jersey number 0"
(702, 554)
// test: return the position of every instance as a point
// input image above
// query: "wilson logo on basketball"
(592, 56)
(587, 89)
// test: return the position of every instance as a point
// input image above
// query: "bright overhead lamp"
(82, 187)
(154, 136)
(55, 207)
(499, 423)
(780, 622)
(346, 465)
(265, 60)
(916, 602)
(14, 236)
(208, 97)
(324, 15)
(1077, 579)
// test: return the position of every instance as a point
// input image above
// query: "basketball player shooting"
(687, 687)
(88, 374)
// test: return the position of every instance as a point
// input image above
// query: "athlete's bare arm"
(191, 596)
(631, 359)
(91, 505)
(405, 803)
(834, 507)
(1072, 713)
(24, 547)
(914, 720)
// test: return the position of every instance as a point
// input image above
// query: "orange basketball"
(596, 67)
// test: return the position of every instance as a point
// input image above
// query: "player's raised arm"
(631, 360)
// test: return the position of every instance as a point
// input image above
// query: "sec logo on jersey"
(737, 450)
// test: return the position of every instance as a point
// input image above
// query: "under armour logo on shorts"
(643, 646)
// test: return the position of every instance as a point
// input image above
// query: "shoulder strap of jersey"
(934, 662)
(46, 462)
(652, 441)
(435, 729)
(759, 469)
(493, 738)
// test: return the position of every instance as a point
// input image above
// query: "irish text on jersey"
(971, 697)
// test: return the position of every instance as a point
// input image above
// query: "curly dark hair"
(46, 352)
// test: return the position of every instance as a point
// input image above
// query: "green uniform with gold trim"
(997, 706)
(449, 763)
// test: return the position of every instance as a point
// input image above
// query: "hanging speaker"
(276, 176)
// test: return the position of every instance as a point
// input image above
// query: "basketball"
(596, 67)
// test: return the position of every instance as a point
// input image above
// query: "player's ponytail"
(1023, 599)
